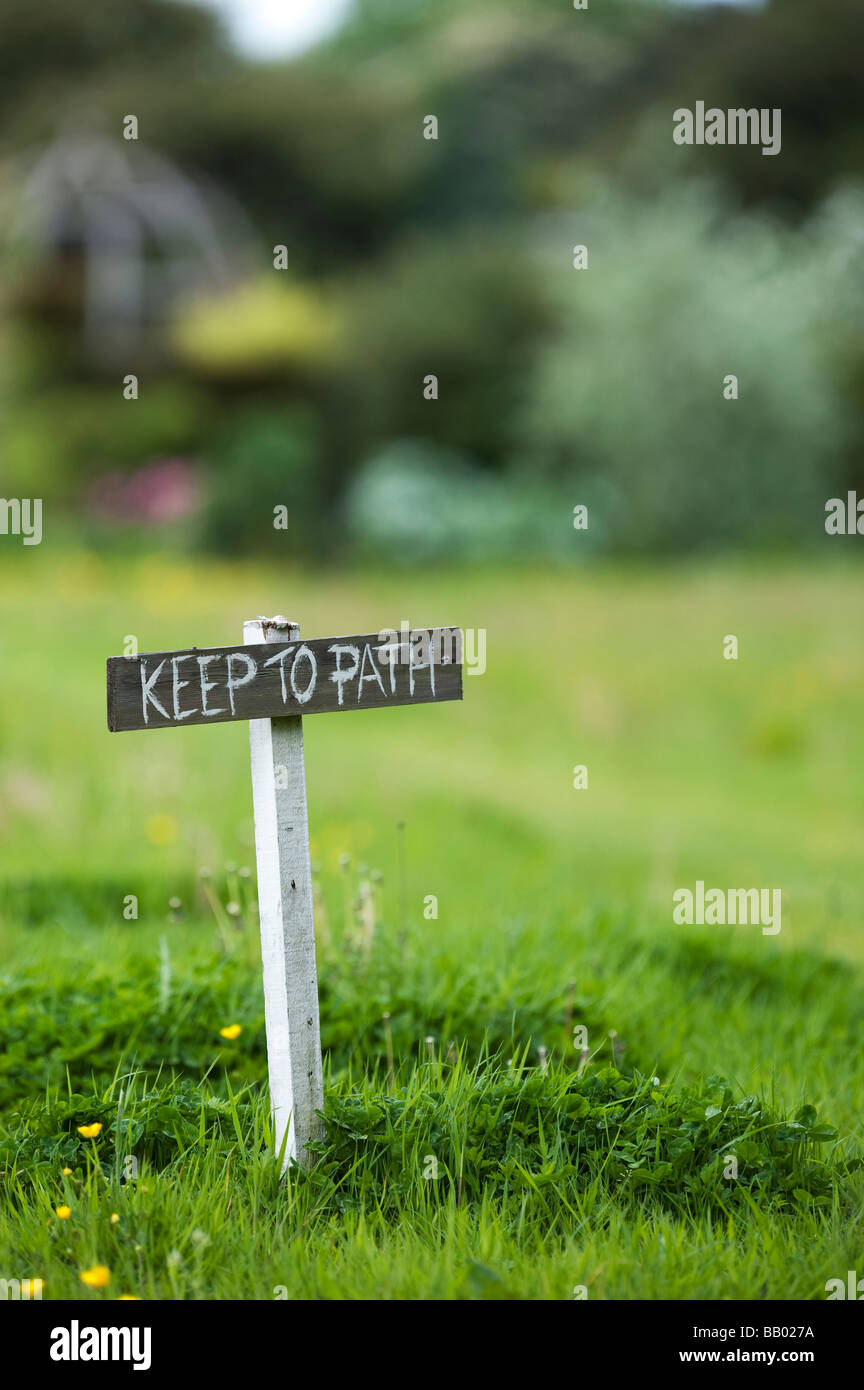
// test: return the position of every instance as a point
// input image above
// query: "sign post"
(286, 917)
(273, 692)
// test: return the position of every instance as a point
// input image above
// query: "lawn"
(459, 1160)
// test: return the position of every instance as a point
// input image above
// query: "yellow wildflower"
(89, 1131)
(96, 1278)
(63, 1212)
(162, 829)
(232, 1031)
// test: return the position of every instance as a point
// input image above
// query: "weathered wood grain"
(160, 690)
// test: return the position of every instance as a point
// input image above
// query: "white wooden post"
(286, 916)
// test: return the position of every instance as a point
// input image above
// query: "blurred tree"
(791, 54)
(469, 311)
(52, 50)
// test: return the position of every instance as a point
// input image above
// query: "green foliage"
(544, 1132)
(155, 1125)
(266, 459)
(205, 1215)
(627, 403)
(426, 502)
(102, 433)
(412, 257)
(491, 1133)
(800, 64)
(72, 1025)
(422, 1119)
(465, 308)
(63, 48)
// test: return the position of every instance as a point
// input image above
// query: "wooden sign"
(273, 689)
(158, 690)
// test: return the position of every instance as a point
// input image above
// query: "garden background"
(302, 388)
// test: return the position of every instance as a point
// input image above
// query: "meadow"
(471, 1150)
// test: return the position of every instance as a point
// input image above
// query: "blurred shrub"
(257, 329)
(466, 308)
(421, 501)
(164, 493)
(627, 396)
(56, 442)
(267, 459)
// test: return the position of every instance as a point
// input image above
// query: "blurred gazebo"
(111, 235)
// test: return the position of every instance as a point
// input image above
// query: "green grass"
(555, 1170)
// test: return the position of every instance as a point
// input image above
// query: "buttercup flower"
(89, 1131)
(96, 1278)
(63, 1212)
(232, 1031)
